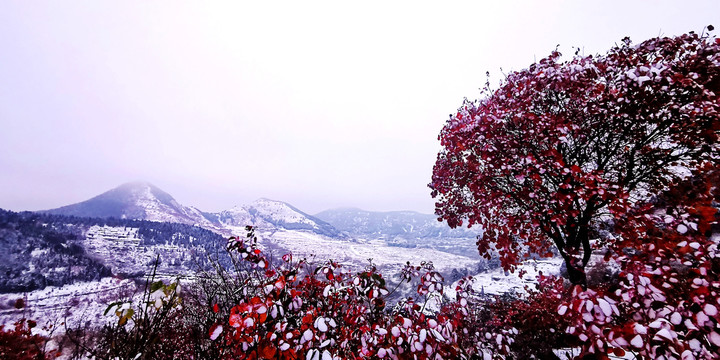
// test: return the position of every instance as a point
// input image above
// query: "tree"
(563, 146)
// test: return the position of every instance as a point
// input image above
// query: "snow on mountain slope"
(271, 214)
(127, 255)
(136, 200)
(390, 238)
(144, 201)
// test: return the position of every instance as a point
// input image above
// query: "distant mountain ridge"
(144, 201)
(267, 214)
(41, 249)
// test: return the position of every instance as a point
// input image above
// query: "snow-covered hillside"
(73, 304)
(269, 215)
(123, 250)
(497, 281)
(139, 201)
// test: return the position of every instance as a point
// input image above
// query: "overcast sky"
(321, 105)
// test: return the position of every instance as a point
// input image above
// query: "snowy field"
(498, 282)
(356, 254)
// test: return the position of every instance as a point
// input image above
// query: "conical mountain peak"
(135, 200)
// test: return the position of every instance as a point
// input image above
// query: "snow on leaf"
(687, 355)
(676, 318)
(640, 329)
(313, 354)
(437, 335)
(307, 335)
(562, 310)
(407, 323)
(215, 331)
(682, 229)
(663, 333)
(395, 331)
(605, 307)
(714, 338)
(321, 325)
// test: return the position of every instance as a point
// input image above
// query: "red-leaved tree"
(564, 145)
(665, 304)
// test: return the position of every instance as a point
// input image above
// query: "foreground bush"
(20, 343)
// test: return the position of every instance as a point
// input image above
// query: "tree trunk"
(575, 269)
(576, 274)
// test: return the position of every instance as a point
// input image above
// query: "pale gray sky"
(320, 104)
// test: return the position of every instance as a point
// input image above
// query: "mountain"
(136, 200)
(271, 214)
(392, 224)
(144, 201)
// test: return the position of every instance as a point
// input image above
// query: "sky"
(319, 104)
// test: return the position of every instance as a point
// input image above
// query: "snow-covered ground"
(73, 305)
(498, 282)
(356, 254)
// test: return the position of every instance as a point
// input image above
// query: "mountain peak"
(135, 200)
(142, 190)
(266, 200)
(138, 184)
(268, 213)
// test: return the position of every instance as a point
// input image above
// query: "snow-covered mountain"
(269, 214)
(144, 201)
(392, 224)
(137, 200)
